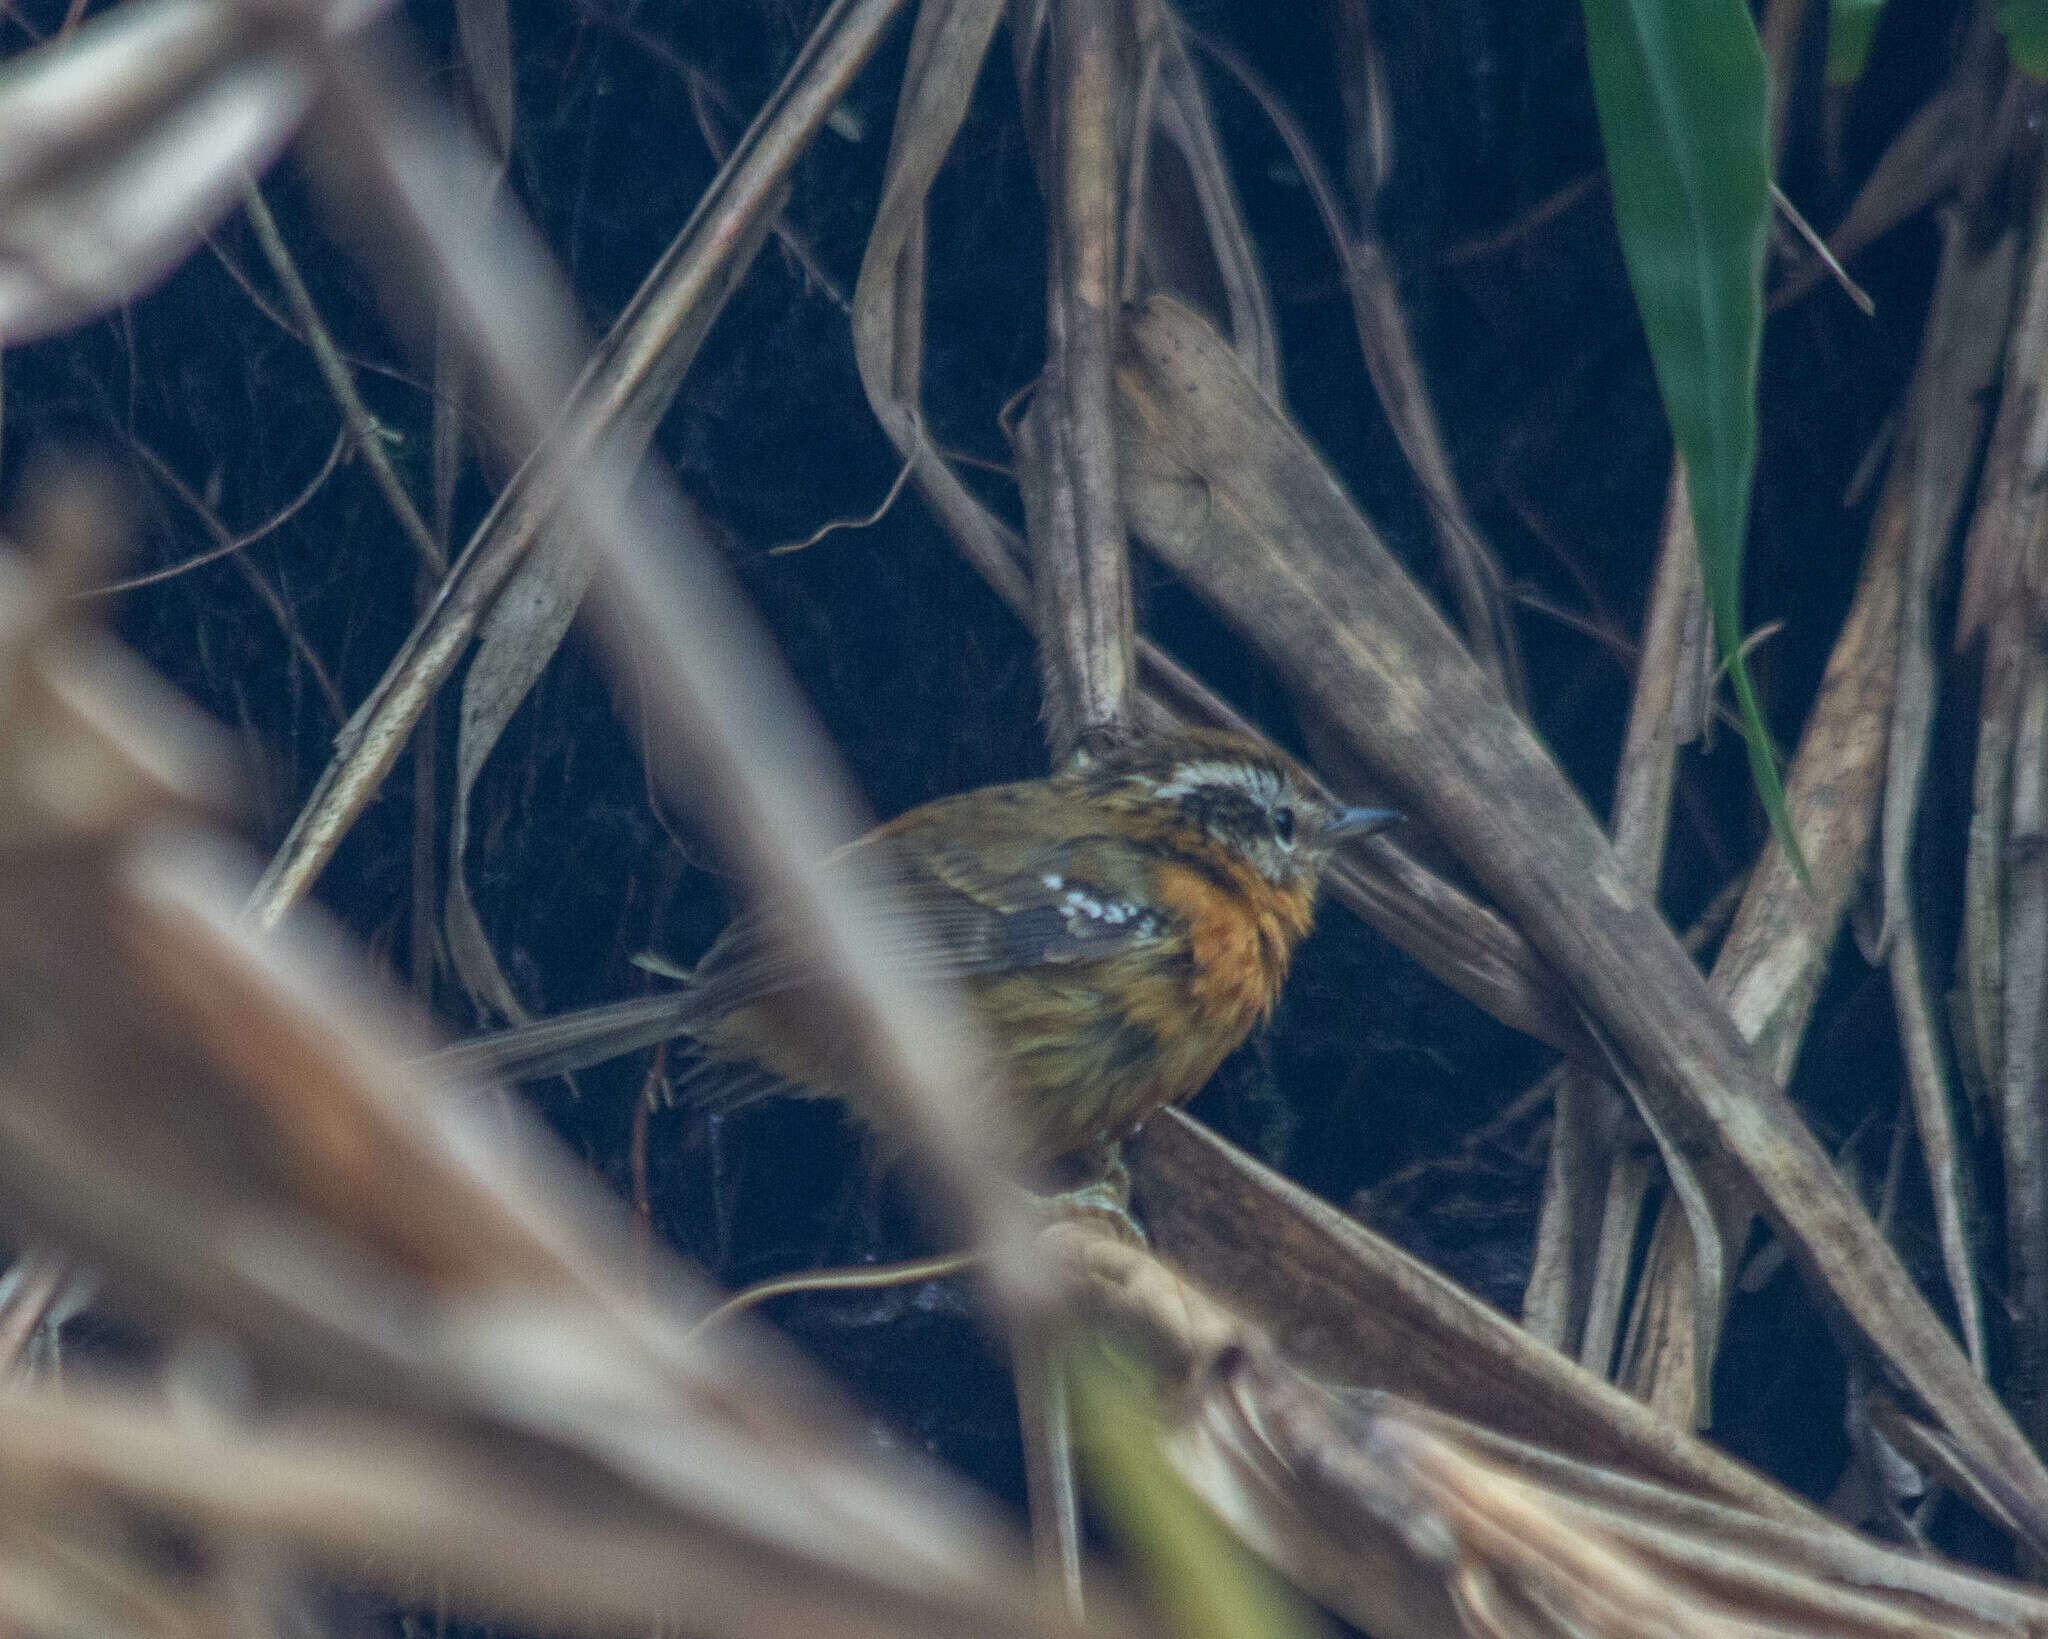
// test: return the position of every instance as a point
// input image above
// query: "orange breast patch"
(1238, 938)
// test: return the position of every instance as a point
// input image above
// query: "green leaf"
(1852, 25)
(1683, 105)
(2024, 23)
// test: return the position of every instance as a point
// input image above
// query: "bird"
(1120, 927)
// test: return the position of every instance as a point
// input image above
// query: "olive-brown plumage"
(1120, 928)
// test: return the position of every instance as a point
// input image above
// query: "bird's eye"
(1283, 824)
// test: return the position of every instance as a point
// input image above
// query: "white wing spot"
(1079, 905)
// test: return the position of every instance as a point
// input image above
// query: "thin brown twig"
(1396, 372)
(1546, 209)
(699, 84)
(227, 544)
(1080, 565)
(1930, 157)
(280, 612)
(1624, 652)
(363, 427)
(268, 309)
(833, 526)
(1151, 28)
(873, 1277)
(234, 547)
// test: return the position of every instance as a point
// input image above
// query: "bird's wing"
(958, 920)
(983, 923)
(961, 919)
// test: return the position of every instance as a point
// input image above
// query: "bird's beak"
(1359, 822)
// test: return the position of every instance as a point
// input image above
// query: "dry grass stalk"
(621, 393)
(1081, 571)
(1775, 956)
(365, 436)
(1412, 1522)
(1175, 247)
(1080, 560)
(2005, 934)
(1348, 1305)
(1772, 964)
(1964, 350)
(1565, 1302)
(2023, 1077)
(946, 51)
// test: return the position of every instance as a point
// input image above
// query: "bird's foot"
(1094, 1183)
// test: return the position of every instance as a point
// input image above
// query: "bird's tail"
(569, 1041)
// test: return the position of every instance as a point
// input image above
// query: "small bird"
(1120, 927)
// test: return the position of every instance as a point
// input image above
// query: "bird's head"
(1246, 796)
